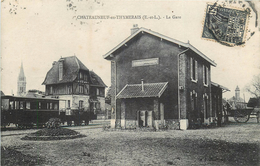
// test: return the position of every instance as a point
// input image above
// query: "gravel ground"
(234, 144)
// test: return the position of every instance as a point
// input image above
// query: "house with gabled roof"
(69, 79)
(157, 80)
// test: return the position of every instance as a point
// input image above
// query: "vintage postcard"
(99, 82)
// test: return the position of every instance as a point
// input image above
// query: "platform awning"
(149, 90)
(224, 89)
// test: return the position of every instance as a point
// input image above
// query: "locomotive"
(27, 112)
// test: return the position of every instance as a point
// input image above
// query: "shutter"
(196, 70)
(191, 68)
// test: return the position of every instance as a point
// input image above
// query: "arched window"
(205, 75)
(194, 72)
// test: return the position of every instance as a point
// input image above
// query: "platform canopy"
(224, 89)
(142, 90)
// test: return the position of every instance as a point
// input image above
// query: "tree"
(254, 86)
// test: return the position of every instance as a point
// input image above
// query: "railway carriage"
(27, 112)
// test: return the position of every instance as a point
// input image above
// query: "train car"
(77, 116)
(27, 111)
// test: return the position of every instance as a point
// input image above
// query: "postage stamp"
(225, 25)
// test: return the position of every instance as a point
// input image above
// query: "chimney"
(134, 29)
(142, 82)
(61, 68)
(53, 63)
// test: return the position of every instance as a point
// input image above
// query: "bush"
(55, 132)
(53, 123)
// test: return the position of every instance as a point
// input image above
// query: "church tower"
(21, 83)
(237, 93)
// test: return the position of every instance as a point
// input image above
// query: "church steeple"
(21, 82)
(237, 93)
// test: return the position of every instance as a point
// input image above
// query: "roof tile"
(150, 90)
(71, 67)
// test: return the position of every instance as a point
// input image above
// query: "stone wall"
(171, 124)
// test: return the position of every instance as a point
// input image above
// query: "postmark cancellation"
(225, 25)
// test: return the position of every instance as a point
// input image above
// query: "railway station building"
(69, 79)
(157, 80)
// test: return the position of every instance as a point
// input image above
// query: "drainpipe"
(115, 93)
(179, 102)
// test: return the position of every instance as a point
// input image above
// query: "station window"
(50, 106)
(194, 71)
(205, 75)
(194, 106)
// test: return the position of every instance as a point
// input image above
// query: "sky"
(38, 32)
